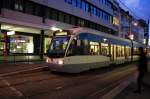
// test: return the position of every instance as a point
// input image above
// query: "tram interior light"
(105, 40)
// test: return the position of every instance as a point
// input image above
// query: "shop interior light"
(11, 33)
(18, 46)
(105, 40)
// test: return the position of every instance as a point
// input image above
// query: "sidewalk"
(6, 68)
(128, 92)
(20, 58)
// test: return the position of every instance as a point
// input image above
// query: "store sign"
(61, 33)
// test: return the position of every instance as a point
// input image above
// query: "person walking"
(142, 69)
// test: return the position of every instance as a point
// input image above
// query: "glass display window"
(46, 44)
(21, 44)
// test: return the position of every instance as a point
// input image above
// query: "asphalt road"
(48, 85)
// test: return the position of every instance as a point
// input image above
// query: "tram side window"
(135, 51)
(104, 49)
(94, 48)
(72, 49)
(77, 47)
(120, 51)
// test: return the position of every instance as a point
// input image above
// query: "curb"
(24, 71)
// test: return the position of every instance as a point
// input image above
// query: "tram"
(80, 49)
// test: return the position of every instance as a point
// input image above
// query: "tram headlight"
(60, 62)
(47, 60)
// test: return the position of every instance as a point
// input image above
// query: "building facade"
(129, 25)
(26, 25)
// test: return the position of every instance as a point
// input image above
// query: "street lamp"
(131, 37)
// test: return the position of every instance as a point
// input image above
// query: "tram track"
(56, 82)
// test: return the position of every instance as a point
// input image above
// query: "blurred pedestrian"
(142, 69)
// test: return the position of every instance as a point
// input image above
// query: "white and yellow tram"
(82, 49)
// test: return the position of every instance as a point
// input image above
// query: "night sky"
(140, 7)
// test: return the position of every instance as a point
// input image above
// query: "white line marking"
(118, 89)
(17, 92)
(58, 88)
(22, 71)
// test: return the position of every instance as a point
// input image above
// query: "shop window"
(46, 44)
(2, 44)
(21, 44)
(2, 47)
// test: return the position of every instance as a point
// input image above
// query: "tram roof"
(101, 36)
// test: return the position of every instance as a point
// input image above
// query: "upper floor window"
(79, 3)
(74, 3)
(106, 2)
(68, 1)
(18, 5)
(29, 8)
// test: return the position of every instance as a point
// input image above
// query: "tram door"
(111, 52)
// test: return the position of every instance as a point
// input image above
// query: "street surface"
(48, 85)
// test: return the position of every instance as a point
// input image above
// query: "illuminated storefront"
(21, 44)
(47, 41)
(2, 43)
